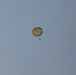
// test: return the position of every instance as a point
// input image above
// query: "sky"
(21, 53)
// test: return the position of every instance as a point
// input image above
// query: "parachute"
(37, 31)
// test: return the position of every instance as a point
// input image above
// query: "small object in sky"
(39, 38)
(37, 31)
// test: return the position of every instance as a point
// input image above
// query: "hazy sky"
(21, 53)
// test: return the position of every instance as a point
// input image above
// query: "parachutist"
(37, 31)
(39, 38)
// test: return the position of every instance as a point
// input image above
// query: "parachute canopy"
(37, 31)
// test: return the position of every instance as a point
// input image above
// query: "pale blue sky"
(21, 53)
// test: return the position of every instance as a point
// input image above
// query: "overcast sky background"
(21, 53)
